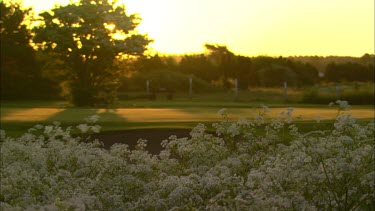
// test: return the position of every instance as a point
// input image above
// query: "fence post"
(148, 87)
(285, 91)
(236, 88)
(338, 92)
(190, 88)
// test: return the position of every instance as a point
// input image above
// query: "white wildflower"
(198, 130)
(96, 128)
(308, 159)
(222, 111)
(288, 119)
(38, 126)
(48, 129)
(31, 130)
(259, 119)
(318, 118)
(244, 122)
(290, 110)
(346, 139)
(344, 105)
(288, 115)
(83, 128)
(56, 123)
(2, 134)
(233, 130)
(92, 119)
(266, 109)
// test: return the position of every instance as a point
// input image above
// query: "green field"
(17, 117)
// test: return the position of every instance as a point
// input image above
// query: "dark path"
(130, 137)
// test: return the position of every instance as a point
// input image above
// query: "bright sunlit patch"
(29, 115)
(110, 27)
(118, 36)
(201, 115)
(158, 115)
(169, 114)
(115, 34)
(79, 44)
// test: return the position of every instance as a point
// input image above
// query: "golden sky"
(254, 27)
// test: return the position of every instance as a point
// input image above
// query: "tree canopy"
(18, 62)
(89, 36)
(223, 59)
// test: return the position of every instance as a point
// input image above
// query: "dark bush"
(163, 81)
(355, 97)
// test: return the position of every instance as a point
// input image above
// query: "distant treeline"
(218, 66)
(35, 75)
(320, 62)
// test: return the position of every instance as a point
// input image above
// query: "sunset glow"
(253, 27)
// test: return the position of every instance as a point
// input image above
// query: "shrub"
(247, 164)
(167, 80)
(313, 96)
(357, 97)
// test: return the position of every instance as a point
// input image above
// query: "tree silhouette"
(89, 36)
(20, 73)
(349, 72)
(199, 66)
(223, 59)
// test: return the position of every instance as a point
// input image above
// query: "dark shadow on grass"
(72, 115)
(154, 137)
(109, 119)
(117, 130)
(114, 127)
(111, 116)
(15, 129)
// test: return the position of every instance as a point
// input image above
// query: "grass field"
(17, 117)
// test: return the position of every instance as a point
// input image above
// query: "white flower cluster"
(342, 105)
(250, 164)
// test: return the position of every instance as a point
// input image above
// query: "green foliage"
(21, 76)
(276, 76)
(272, 72)
(200, 66)
(349, 72)
(243, 70)
(152, 63)
(164, 80)
(320, 62)
(221, 57)
(356, 94)
(82, 35)
(365, 97)
(220, 66)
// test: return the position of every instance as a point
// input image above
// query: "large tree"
(200, 66)
(223, 59)
(20, 73)
(89, 36)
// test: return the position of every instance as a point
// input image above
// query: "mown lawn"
(17, 117)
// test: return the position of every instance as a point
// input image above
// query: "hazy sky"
(254, 27)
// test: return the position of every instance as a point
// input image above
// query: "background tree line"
(219, 67)
(73, 54)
